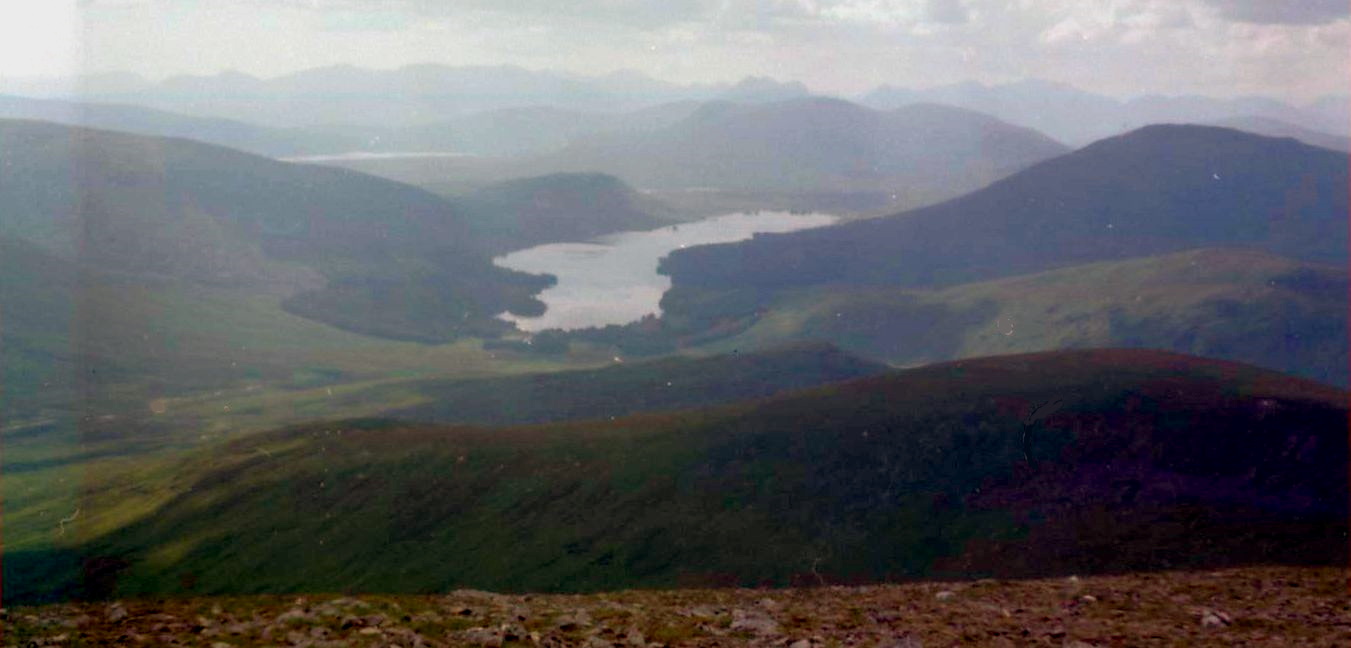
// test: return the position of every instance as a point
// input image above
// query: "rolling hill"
(521, 213)
(130, 118)
(623, 390)
(350, 250)
(1156, 190)
(919, 153)
(1233, 304)
(1043, 464)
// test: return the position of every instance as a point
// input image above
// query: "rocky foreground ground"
(1268, 606)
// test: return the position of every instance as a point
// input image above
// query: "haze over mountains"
(131, 118)
(1077, 117)
(509, 110)
(414, 94)
(815, 145)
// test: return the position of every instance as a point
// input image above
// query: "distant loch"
(614, 279)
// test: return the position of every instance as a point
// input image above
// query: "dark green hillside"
(561, 207)
(358, 252)
(1070, 462)
(35, 321)
(1156, 190)
(658, 385)
(1232, 304)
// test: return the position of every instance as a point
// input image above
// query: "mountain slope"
(521, 213)
(920, 153)
(1078, 117)
(140, 120)
(524, 131)
(1156, 190)
(349, 248)
(1222, 303)
(659, 385)
(1276, 128)
(1146, 460)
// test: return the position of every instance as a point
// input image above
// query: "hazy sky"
(1289, 48)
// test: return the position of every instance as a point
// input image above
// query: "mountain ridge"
(963, 469)
(1278, 195)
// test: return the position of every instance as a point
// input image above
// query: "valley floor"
(1266, 606)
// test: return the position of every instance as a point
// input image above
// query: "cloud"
(1283, 12)
(1293, 47)
(947, 12)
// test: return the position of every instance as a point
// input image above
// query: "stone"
(1215, 619)
(483, 637)
(116, 612)
(905, 641)
(754, 623)
(292, 615)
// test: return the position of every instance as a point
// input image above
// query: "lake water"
(614, 280)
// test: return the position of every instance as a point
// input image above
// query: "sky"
(1291, 49)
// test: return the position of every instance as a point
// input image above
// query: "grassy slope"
(121, 463)
(107, 379)
(1232, 304)
(917, 473)
(660, 385)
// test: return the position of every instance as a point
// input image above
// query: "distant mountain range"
(506, 111)
(347, 101)
(918, 153)
(1276, 128)
(519, 132)
(140, 120)
(1078, 117)
(407, 96)
(1047, 464)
